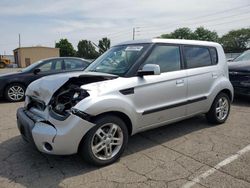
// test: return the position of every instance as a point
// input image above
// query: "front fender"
(101, 104)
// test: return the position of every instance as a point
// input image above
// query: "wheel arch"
(228, 92)
(14, 82)
(119, 114)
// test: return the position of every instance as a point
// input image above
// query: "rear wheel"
(105, 142)
(219, 110)
(15, 92)
(2, 65)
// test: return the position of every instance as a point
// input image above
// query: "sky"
(44, 22)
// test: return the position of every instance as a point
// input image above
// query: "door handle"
(180, 82)
(214, 75)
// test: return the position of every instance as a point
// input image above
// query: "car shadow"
(4, 101)
(240, 100)
(23, 164)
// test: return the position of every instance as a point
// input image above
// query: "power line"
(229, 21)
(156, 30)
(193, 23)
(219, 24)
(211, 20)
(207, 15)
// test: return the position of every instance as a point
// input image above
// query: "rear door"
(202, 73)
(161, 98)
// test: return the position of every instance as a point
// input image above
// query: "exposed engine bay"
(71, 93)
(67, 98)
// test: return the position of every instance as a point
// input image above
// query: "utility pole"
(19, 40)
(134, 33)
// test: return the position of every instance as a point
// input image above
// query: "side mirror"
(36, 71)
(230, 60)
(149, 69)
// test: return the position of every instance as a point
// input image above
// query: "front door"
(47, 67)
(161, 98)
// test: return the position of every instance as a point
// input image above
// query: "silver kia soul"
(134, 86)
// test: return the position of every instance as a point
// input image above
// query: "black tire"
(2, 65)
(12, 98)
(212, 116)
(85, 149)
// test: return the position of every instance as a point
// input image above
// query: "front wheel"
(219, 110)
(105, 142)
(15, 92)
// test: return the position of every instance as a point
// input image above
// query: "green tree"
(236, 40)
(66, 48)
(104, 45)
(204, 34)
(86, 50)
(181, 33)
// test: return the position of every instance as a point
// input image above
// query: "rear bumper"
(52, 136)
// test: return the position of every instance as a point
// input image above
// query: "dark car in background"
(13, 85)
(239, 73)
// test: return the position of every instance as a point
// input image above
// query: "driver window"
(46, 67)
(166, 56)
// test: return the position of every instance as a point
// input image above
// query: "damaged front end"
(66, 98)
(49, 118)
(65, 94)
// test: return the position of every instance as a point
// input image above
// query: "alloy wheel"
(107, 141)
(222, 108)
(16, 93)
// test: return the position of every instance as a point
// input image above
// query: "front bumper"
(50, 135)
(25, 125)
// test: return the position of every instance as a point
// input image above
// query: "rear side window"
(197, 56)
(214, 55)
(166, 56)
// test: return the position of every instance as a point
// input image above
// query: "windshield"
(30, 67)
(245, 56)
(118, 59)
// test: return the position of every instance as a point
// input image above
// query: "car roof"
(77, 58)
(171, 41)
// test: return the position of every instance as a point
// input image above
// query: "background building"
(25, 56)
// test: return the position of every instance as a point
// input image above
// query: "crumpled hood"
(44, 88)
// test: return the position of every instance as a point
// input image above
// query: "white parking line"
(216, 167)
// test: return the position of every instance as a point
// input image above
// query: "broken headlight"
(67, 98)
